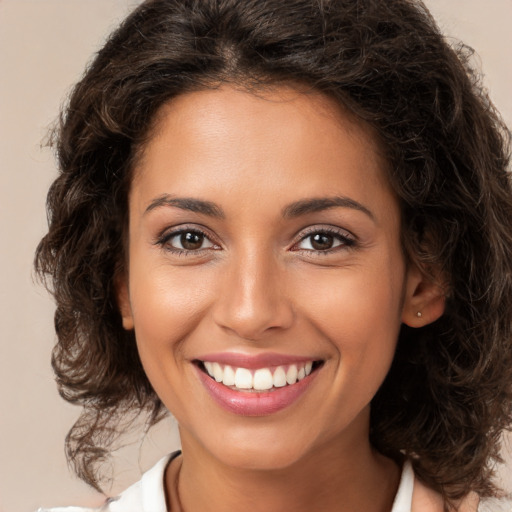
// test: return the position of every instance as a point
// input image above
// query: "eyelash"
(346, 240)
(164, 241)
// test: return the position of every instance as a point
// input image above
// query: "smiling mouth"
(260, 379)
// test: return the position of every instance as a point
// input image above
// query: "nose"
(253, 300)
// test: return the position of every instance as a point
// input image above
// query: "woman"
(288, 224)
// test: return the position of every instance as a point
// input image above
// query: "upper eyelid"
(166, 234)
(183, 228)
(333, 230)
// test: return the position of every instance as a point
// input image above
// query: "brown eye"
(189, 240)
(322, 241)
(325, 241)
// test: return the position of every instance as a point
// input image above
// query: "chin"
(262, 449)
(261, 458)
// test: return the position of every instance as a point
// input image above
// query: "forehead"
(300, 143)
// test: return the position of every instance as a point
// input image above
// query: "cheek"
(166, 304)
(358, 311)
(354, 299)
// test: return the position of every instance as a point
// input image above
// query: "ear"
(424, 299)
(123, 300)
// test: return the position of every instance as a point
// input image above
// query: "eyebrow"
(187, 203)
(296, 209)
(318, 204)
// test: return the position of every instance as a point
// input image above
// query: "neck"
(330, 479)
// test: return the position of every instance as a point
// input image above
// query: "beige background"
(44, 45)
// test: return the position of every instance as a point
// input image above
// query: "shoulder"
(146, 495)
(414, 496)
(496, 504)
(425, 499)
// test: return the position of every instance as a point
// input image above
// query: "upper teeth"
(260, 379)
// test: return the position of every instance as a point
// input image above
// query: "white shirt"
(148, 495)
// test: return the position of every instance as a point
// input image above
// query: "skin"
(256, 285)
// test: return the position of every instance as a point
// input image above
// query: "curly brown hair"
(448, 395)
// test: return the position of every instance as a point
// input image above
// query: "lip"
(261, 403)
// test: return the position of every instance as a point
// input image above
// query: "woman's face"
(264, 252)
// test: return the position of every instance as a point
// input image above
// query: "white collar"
(403, 498)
